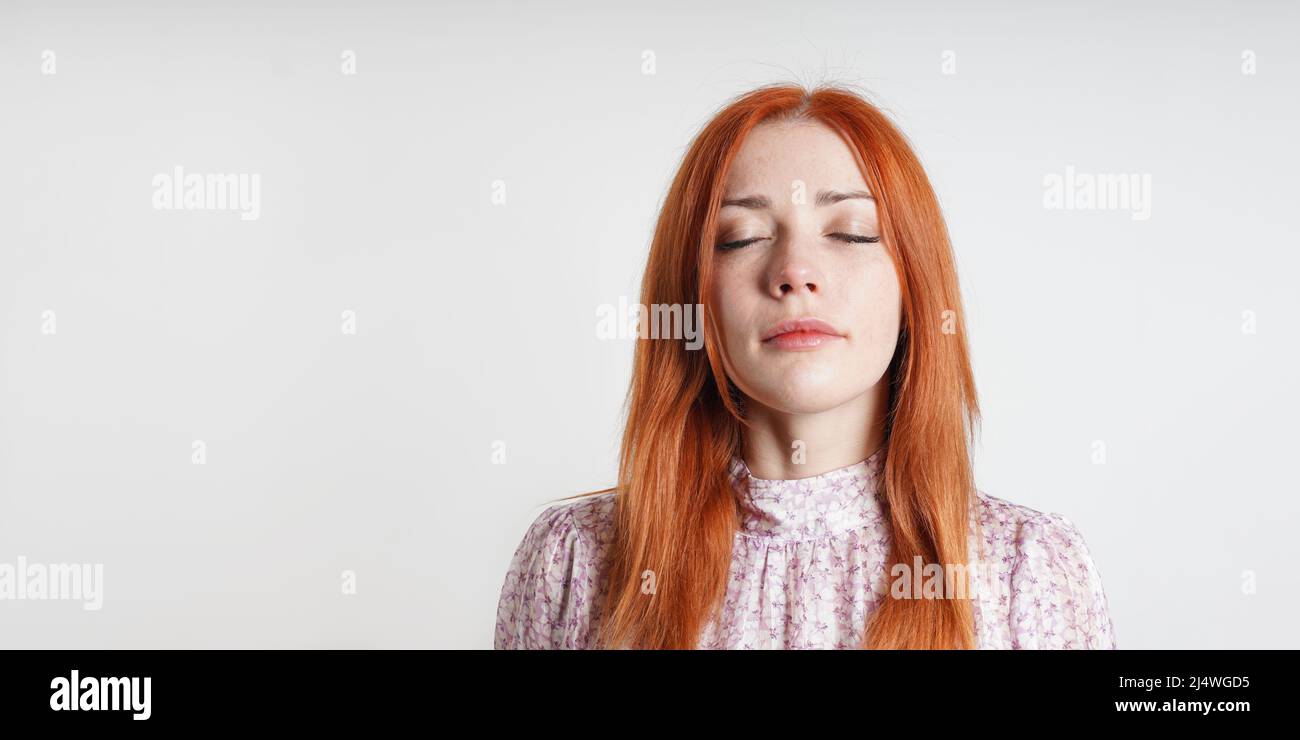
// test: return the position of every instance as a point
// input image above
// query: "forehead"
(775, 154)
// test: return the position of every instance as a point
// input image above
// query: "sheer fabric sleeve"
(544, 602)
(1057, 598)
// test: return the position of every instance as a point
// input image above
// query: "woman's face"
(799, 238)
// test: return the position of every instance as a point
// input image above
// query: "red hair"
(676, 511)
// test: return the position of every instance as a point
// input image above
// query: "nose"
(795, 274)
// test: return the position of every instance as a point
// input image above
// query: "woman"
(806, 480)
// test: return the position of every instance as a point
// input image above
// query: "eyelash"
(847, 238)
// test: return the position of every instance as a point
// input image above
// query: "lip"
(800, 334)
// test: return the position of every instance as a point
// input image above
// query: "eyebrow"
(824, 198)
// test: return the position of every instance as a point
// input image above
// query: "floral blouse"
(809, 566)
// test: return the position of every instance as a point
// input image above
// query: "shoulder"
(588, 521)
(1009, 528)
(553, 583)
(1055, 594)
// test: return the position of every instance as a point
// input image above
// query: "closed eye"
(848, 238)
(856, 238)
(741, 243)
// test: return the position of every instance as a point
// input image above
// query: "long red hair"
(676, 512)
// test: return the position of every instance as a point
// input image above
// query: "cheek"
(877, 308)
(734, 302)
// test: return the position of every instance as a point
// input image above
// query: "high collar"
(836, 501)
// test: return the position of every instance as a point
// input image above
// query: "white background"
(476, 322)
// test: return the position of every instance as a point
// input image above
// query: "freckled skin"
(832, 394)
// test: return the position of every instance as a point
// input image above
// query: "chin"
(806, 398)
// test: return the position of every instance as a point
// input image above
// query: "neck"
(830, 439)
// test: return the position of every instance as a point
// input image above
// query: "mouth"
(800, 334)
